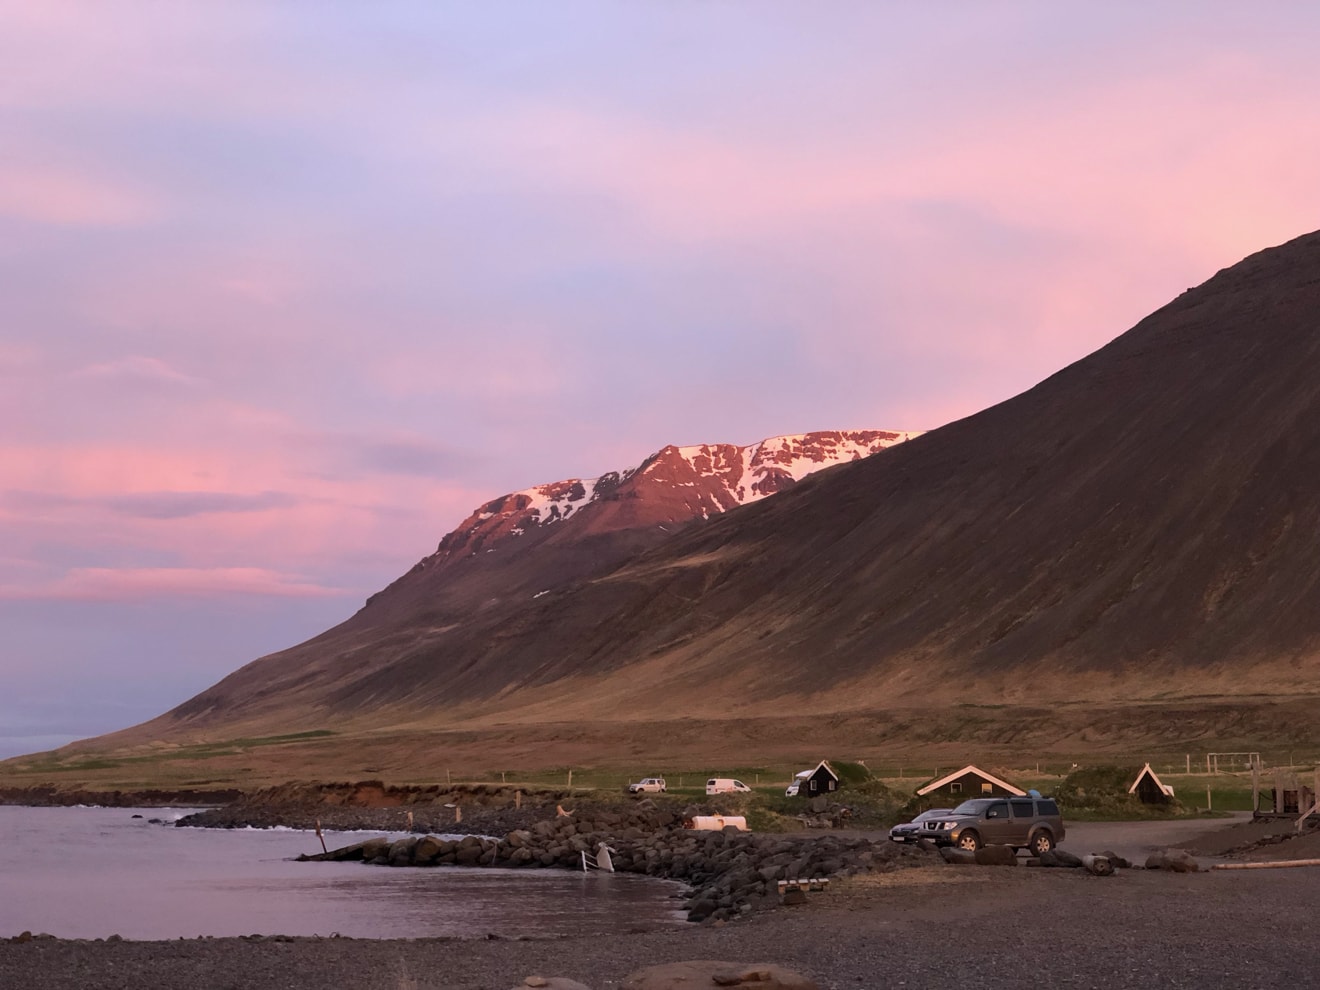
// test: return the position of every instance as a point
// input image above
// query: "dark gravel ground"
(939, 927)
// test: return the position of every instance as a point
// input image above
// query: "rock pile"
(729, 872)
(490, 809)
(691, 976)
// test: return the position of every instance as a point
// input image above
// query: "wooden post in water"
(320, 836)
(410, 821)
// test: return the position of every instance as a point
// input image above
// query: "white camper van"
(725, 785)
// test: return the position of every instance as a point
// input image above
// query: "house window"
(832, 783)
(955, 787)
(813, 786)
(987, 788)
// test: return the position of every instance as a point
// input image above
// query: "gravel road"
(1137, 840)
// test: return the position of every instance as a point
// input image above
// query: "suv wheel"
(1041, 842)
(969, 840)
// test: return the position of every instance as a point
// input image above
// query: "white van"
(726, 785)
(798, 780)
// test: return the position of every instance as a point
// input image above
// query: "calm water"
(94, 872)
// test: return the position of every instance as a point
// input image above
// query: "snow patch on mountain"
(717, 477)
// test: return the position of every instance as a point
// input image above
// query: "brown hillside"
(1142, 524)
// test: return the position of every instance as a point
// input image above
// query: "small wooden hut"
(822, 780)
(969, 782)
(1149, 789)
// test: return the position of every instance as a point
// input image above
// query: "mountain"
(1132, 541)
(670, 488)
(515, 550)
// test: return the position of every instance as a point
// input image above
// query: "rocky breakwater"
(728, 872)
(479, 809)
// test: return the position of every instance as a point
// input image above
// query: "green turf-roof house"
(1149, 788)
(811, 783)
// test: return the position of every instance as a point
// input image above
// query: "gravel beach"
(933, 927)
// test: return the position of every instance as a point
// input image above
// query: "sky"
(287, 289)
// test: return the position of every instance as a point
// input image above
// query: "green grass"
(46, 763)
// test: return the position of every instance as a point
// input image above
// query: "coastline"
(943, 927)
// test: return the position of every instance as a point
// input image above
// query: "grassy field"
(401, 758)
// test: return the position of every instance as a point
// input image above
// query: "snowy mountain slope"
(674, 485)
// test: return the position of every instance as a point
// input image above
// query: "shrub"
(1102, 792)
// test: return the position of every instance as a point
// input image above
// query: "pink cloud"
(107, 584)
(137, 367)
(242, 510)
(65, 197)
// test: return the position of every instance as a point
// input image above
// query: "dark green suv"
(1032, 823)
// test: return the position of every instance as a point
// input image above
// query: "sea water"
(96, 872)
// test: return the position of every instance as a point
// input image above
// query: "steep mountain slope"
(1142, 524)
(520, 547)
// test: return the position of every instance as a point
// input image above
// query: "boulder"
(1175, 860)
(958, 857)
(1118, 862)
(1065, 858)
(427, 851)
(996, 856)
(551, 983)
(706, 973)
(1181, 861)
(401, 851)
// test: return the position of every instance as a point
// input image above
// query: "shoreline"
(938, 928)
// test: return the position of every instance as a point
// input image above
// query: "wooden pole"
(320, 836)
(1208, 805)
(1281, 864)
(1189, 764)
(1099, 866)
(517, 799)
(570, 779)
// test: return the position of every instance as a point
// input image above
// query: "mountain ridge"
(504, 555)
(1135, 528)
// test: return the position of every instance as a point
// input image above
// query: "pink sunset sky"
(290, 288)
